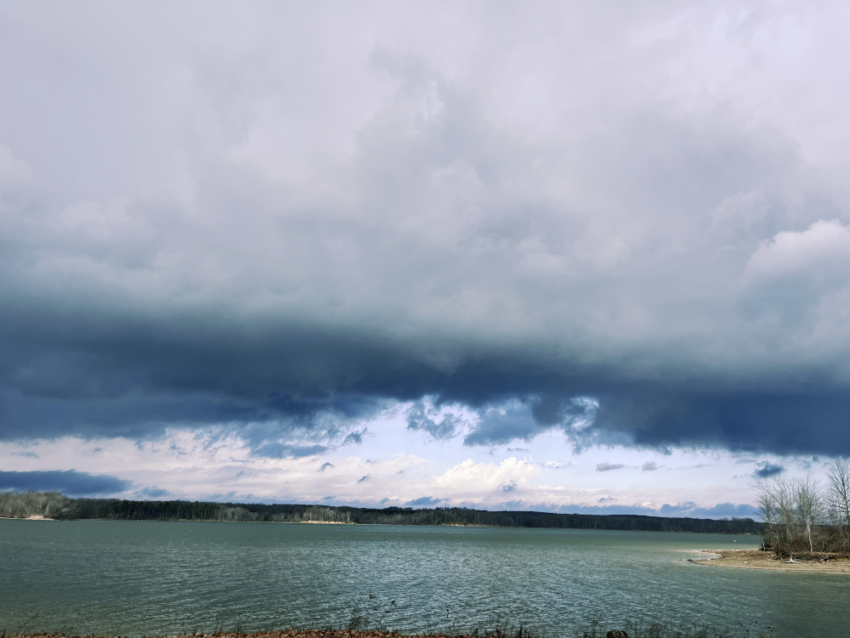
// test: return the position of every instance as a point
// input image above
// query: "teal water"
(150, 578)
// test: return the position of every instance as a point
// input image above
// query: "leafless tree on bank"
(839, 491)
(809, 505)
(769, 511)
(778, 493)
(838, 501)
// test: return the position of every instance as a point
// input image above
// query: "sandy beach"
(34, 517)
(754, 559)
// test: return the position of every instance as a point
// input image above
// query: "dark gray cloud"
(649, 466)
(421, 417)
(503, 424)
(721, 510)
(509, 418)
(283, 451)
(425, 501)
(767, 469)
(154, 492)
(69, 482)
(282, 255)
(608, 467)
(686, 510)
(354, 438)
(139, 389)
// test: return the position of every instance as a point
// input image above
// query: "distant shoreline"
(755, 559)
(60, 507)
(481, 525)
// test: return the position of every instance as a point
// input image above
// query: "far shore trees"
(54, 505)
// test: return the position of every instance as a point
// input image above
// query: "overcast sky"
(570, 256)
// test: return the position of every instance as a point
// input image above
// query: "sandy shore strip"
(754, 559)
(34, 517)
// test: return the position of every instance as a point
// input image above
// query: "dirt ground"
(746, 559)
(290, 633)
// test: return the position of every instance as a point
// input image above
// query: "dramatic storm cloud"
(624, 225)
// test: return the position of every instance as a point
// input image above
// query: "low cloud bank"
(69, 482)
(686, 510)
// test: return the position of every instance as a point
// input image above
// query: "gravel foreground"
(300, 633)
(593, 630)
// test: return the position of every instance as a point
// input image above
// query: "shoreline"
(480, 525)
(757, 559)
(34, 517)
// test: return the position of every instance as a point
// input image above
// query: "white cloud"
(797, 293)
(478, 478)
(821, 252)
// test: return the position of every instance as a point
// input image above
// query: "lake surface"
(152, 578)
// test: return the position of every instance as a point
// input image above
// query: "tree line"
(58, 506)
(802, 516)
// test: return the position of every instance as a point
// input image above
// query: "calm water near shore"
(150, 578)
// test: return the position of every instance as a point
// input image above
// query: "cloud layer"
(617, 224)
(396, 466)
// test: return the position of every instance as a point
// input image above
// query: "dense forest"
(57, 506)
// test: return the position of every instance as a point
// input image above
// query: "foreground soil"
(289, 633)
(745, 559)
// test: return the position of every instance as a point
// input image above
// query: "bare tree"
(838, 499)
(809, 505)
(783, 490)
(838, 495)
(779, 495)
(769, 511)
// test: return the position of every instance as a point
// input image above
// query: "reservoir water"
(156, 578)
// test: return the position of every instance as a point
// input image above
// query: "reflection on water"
(148, 578)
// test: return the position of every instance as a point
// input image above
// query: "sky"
(564, 256)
